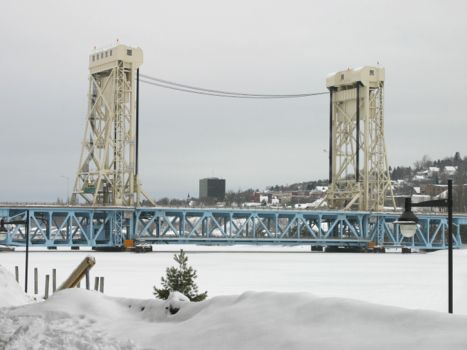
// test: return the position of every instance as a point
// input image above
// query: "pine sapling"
(180, 279)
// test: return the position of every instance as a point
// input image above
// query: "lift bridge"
(107, 195)
(108, 227)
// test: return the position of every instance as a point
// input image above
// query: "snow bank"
(11, 293)
(76, 319)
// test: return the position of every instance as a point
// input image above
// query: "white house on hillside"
(450, 170)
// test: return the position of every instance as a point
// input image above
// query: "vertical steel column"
(330, 135)
(181, 224)
(357, 136)
(137, 122)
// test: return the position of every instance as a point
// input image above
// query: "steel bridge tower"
(108, 167)
(358, 168)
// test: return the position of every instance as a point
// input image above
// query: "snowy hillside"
(80, 319)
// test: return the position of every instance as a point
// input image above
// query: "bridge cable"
(218, 93)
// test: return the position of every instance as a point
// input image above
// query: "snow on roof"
(442, 195)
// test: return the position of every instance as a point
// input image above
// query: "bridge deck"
(53, 226)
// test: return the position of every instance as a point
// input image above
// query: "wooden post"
(54, 280)
(78, 273)
(17, 273)
(96, 283)
(88, 283)
(36, 281)
(101, 285)
(47, 277)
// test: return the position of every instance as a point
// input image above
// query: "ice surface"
(324, 315)
(416, 281)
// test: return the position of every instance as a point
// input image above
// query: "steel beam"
(55, 226)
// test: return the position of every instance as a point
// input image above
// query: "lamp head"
(407, 223)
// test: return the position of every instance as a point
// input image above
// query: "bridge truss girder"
(55, 227)
(109, 227)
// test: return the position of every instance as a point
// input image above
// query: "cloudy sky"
(258, 46)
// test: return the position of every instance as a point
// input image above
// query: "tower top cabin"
(368, 76)
(104, 59)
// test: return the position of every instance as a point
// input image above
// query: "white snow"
(175, 302)
(416, 281)
(11, 294)
(80, 319)
(313, 304)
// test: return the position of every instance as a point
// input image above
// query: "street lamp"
(407, 223)
(26, 223)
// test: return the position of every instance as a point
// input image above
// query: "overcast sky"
(253, 46)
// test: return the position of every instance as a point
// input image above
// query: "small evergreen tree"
(180, 279)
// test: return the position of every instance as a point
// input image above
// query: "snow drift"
(11, 293)
(77, 318)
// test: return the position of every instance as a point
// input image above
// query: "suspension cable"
(218, 93)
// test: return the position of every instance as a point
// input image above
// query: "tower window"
(129, 52)
(342, 76)
(110, 52)
(372, 72)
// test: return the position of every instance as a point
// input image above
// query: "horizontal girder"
(54, 226)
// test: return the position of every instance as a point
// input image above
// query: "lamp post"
(408, 225)
(26, 223)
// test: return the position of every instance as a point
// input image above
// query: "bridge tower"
(108, 167)
(358, 168)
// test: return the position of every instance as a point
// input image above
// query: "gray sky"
(258, 46)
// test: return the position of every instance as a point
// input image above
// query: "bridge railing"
(54, 226)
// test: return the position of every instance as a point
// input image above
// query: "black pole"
(330, 135)
(27, 253)
(137, 121)
(408, 204)
(442, 203)
(357, 137)
(450, 274)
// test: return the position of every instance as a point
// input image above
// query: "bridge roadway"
(74, 226)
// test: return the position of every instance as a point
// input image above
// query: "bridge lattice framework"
(107, 227)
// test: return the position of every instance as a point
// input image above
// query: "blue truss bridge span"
(74, 226)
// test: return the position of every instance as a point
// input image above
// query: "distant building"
(432, 171)
(321, 188)
(212, 188)
(450, 170)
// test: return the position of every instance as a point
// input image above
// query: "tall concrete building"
(212, 188)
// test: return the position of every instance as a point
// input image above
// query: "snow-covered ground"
(417, 281)
(296, 299)
(78, 319)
